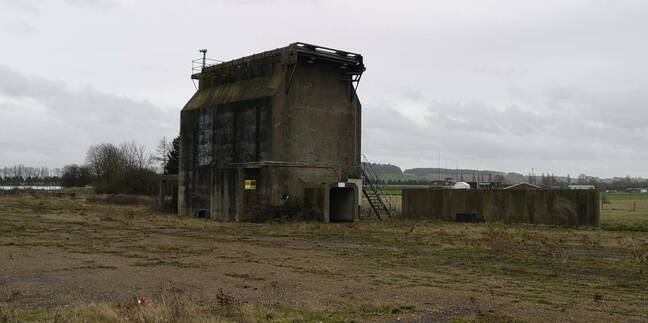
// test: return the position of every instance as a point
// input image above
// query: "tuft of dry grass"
(167, 305)
(173, 305)
(122, 199)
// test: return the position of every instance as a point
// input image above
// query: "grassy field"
(392, 190)
(398, 177)
(71, 260)
(624, 196)
(624, 215)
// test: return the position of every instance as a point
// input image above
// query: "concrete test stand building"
(274, 127)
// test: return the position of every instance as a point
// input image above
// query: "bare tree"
(105, 160)
(161, 153)
(136, 156)
(126, 168)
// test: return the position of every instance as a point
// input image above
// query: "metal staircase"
(378, 201)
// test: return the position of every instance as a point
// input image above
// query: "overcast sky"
(559, 86)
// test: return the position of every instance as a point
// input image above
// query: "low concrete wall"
(557, 207)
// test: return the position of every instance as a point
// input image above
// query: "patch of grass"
(244, 276)
(173, 263)
(625, 215)
(625, 196)
(639, 227)
(122, 199)
(85, 267)
(79, 190)
(392, 190)
(489, 317)
(173, 305)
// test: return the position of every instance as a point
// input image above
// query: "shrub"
(76, 176)
(290, 210)
(126, 169)
(130, 181)
(605, 199)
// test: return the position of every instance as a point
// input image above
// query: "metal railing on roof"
(198, 64)
(341, 54)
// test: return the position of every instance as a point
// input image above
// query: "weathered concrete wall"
(288, 122)
(332, 203)
(557, 207)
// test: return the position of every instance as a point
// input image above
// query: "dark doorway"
(469, 218)
(203, 214)
(342, 205)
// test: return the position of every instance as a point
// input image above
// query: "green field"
(625, 196)
(392, 190)
(397, 177)
(624, 215)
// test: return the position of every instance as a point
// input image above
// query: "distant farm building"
(484, 185)
(581, 187)
(273, 130)
(522, 186)
(636, 190)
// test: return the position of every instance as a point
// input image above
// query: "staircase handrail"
(373, 173)
(382, 196)
(368, 196)
(368, 166)
(377, 179)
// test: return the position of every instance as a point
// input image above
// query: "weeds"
(122, 199)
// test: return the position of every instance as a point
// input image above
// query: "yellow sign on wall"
(250, 184)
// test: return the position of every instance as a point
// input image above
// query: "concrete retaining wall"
(556, 207)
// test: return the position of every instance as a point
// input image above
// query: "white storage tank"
(461, 186)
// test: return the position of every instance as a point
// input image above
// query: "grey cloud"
(97, 4)
(21, 28)
(508, 84)
(27, 6)
(580, 130)
(47, 121)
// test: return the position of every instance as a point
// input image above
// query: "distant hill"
(392, 174)
(431, 174)
(384, 168)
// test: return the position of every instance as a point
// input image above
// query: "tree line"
(21, 175)
(124, 168)
(383, 168)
